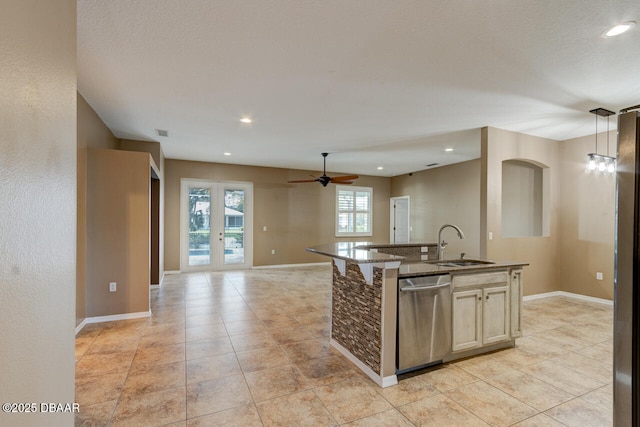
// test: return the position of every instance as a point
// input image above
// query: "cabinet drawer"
(462, 281)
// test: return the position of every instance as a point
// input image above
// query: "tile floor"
(250, 348)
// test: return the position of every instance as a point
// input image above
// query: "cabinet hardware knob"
(487, 296)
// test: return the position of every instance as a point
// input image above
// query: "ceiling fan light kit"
(324, 179)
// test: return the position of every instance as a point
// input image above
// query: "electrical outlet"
(273, 251)
(264, 228)
(490, 235)
(113, 286)
(599, 275)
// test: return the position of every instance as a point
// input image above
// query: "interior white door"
(399, 215)
(216, 225)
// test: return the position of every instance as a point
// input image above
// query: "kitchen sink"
(459, 262)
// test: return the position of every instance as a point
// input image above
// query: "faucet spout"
(441, 243)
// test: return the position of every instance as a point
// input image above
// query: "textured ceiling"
(376, 83)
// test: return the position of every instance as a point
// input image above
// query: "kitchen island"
(485, 302)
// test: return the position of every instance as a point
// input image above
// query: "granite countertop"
(360, 252)
(369, 245)
(432, 267)
(354, 251)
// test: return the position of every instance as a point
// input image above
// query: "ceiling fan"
(324, 179)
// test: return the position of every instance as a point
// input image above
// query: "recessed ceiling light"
(618, 29)
(227, 154)
(246, 120)
(448, 149)
(380, 168)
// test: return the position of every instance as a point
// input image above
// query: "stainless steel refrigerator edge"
(626, 299)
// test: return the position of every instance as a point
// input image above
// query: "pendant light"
(599, 163)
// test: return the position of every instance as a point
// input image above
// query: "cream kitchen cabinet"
(481, 310)
(516, 301)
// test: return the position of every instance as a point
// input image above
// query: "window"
(354, 215)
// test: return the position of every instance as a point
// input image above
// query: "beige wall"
(92, 133)
(522, 203)
(37, 207)
(580, 226)
(540, 252)
(155, 149)
(92, 299)
(587, 222)
(118, 231)
(296, 215)
(444, 195)
(581, 211)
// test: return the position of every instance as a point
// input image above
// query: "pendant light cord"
(607, 136)
(596, 133)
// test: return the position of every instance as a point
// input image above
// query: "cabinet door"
(495, 314)
(516, 303)
(467, 320)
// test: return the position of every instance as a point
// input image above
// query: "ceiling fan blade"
(345, 178)
(324, 179)
(302, 180)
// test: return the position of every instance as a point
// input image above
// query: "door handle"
(424, 288)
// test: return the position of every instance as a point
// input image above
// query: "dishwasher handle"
(424, 288)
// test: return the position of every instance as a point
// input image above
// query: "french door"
(216, 230)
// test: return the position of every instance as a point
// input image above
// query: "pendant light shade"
(599, 163)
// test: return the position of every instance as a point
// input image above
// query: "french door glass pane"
(199, 226)
(234, 201)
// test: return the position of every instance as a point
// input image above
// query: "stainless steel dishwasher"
(424, 321)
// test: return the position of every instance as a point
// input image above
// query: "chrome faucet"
(442, 243)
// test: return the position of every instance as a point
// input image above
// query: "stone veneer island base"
(363, 317)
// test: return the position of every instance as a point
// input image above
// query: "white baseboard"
(541, 296)
(81, 325)
(112, 318)
(381, 381)
(568, 295)
(308, 264)
(255, 267)
(164, 273)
